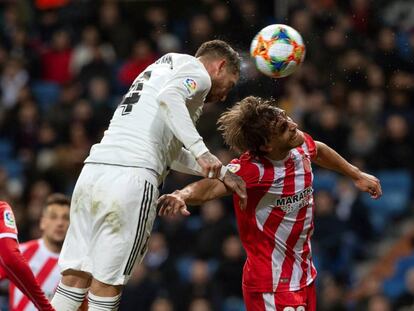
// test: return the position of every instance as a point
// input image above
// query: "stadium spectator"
(56, 60)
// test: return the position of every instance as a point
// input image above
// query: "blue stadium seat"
(324, 180)
(13, 167)
(6, 149)
(396, 188)
(46, 94)
(233, 304)
(183, 265)
(395, 285)
(194, 223)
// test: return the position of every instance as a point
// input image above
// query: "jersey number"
(134, 93)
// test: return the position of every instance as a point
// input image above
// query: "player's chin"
(59, 238)
(298, 139)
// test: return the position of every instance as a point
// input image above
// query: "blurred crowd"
(64, 66)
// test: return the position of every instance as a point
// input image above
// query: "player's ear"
(222, 64)
(42, 224)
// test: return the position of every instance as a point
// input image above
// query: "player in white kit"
(114, 201)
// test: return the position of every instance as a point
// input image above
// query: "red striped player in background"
(12, 263)
(42, 254)
(277, 225)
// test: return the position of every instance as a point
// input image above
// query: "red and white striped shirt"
(44, 265)
(8, 228)
(276, 227)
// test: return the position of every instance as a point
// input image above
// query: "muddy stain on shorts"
(113, 218)
(95, 207)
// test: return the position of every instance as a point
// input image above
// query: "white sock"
(98, 303)
(68, 298)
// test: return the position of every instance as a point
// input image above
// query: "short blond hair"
(219, 48)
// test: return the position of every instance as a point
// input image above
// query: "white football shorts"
(112, 213)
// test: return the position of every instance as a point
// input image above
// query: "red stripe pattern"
(44, 266)
(277, 226)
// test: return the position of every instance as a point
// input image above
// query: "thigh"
(124, 215)
(74, 253)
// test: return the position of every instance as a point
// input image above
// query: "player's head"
(55, 218)
(223, 65)
(260, 127)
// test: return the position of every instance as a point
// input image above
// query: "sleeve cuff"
(223, 172)
(198, 148)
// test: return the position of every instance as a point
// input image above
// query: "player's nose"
(293, 125)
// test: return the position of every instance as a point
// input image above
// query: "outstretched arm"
(185, 163)
(15, 266)
(193, 194)
(330, 159)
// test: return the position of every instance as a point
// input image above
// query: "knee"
(105, 290)
(74, 278)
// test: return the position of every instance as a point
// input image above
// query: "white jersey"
(43, 264)
(157, 116)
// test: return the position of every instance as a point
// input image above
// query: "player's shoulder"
(190, 73)
(190, 64)
(6, 215)
(309, 145)
(29, 245)
(248, 167)
(4, 206)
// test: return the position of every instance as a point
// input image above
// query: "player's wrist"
(355, 173)
(183, 194)
(223, 172)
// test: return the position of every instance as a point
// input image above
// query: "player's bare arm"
(210, 164)
(235, 183)
(330, 159)
(185, 163)
(193, 194)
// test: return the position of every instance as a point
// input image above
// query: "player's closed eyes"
(283, 127)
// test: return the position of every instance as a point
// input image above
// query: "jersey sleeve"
(246, 170)
(310, 144)
(15, 266)
(8, 228)
(186, 163)
(187, 82)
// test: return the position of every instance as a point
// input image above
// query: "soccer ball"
(278, 50)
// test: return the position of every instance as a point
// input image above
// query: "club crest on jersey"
(233, 167)
(306, 163)
(294, 202)
(190, 85)
(9, 220)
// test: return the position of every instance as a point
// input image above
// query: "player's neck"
(278, 155)
(52, 246)
(208, 65)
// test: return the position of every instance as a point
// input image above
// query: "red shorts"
(300, 300)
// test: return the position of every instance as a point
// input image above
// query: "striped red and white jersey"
(277, 225)
(8, 227)
(44, 265)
